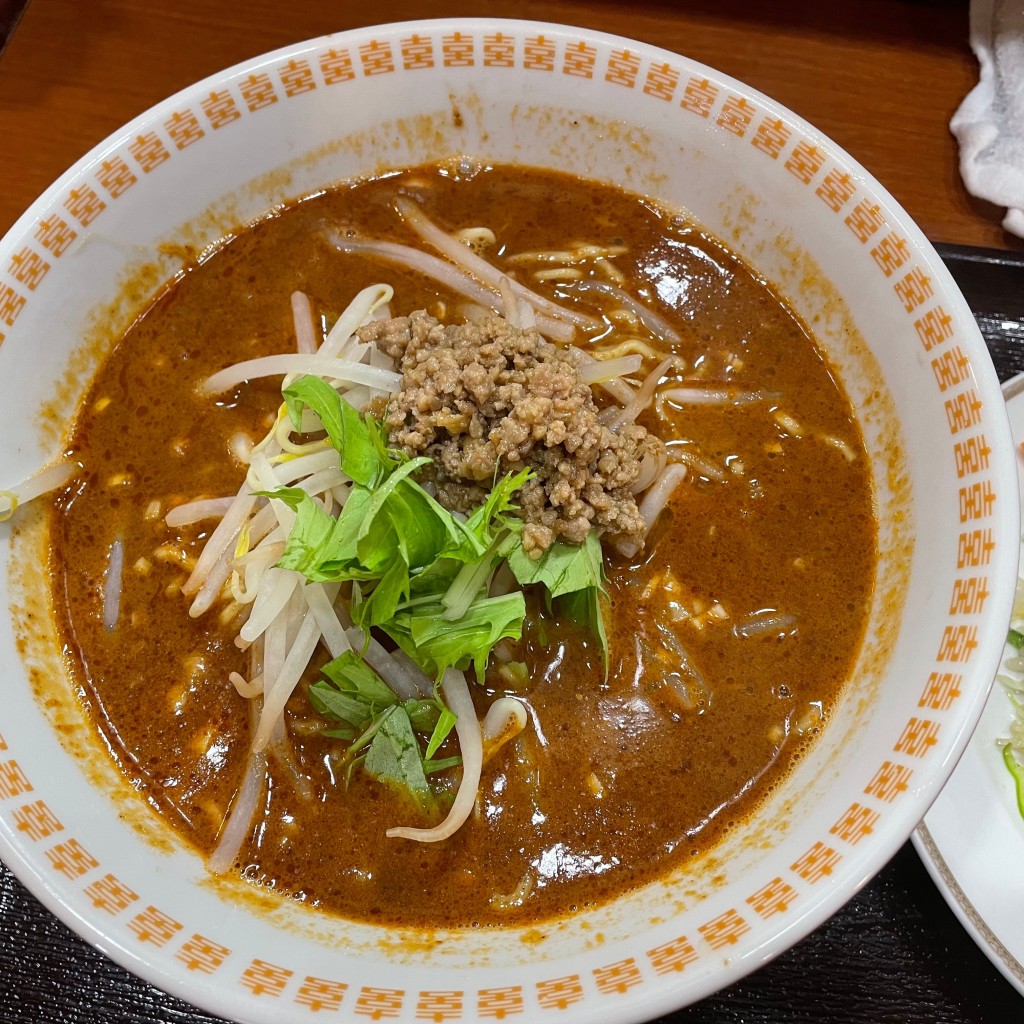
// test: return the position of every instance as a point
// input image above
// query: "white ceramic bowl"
(815, 224)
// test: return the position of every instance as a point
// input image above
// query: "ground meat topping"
(488, 398)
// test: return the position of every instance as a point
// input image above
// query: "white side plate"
(972, 840)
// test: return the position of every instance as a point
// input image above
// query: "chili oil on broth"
(565, 816)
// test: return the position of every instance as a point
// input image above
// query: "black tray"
(895, 953)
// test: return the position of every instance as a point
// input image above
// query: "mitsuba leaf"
(320, 547)
(332, 703)
(435, 579)
(425, 715)
(473, 578)
(429, 767)
(373, 532)
(394, 756)
(423, 529)
(339, 733)
(445, 723)
(348, 432)
(437, 643)
(310, 536)
(351, 674)
(380, 606)
(383, 727)
(563, 568)
(352, 691)
(574, 577)
(492, 516)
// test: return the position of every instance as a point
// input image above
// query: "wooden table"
(881, 77)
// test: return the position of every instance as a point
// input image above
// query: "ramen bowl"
(82, 263)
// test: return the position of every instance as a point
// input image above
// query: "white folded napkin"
(989, 124)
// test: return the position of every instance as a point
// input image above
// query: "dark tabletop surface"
(895, 953)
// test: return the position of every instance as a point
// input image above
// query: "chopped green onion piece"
(1015, 638)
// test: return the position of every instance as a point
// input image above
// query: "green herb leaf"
(352, 692)
(438, 643)
(394, 756)
(425, 715)
(320, 547)
(350, 673)
(473, 578)
(445, 723)
(387, 595)
(350, 434)
(383, 734)
(339, 734)
(400, 520)
(493, 515)
(310, 536)
(574, 576)
(429, 767)
(331, 703)
(563, 568)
